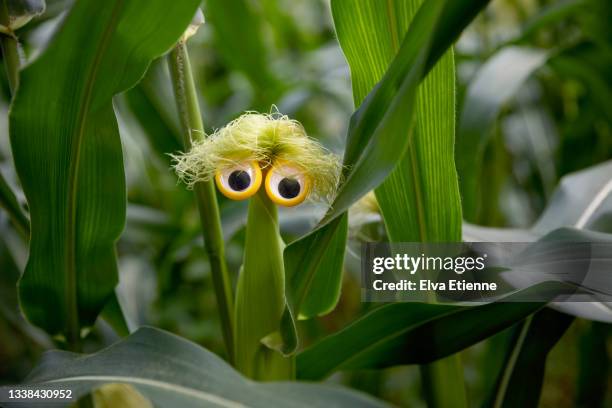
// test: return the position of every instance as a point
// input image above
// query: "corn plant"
(244, 197)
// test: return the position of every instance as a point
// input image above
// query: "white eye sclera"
(287, 185)
(240, 181)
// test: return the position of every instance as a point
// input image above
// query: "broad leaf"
(419, 200)
(425, 180)
(68, 153)
(172, 372)
(413, 333)
(377, 134)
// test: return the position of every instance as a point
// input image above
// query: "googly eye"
(239, 181)
(287, 185)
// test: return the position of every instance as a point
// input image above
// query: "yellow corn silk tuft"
(269, 139)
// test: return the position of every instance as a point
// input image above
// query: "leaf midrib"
(73, 329)
(410, 154)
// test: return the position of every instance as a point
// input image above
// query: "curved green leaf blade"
(419, 200)
(377, 139)
(313, 268)
(494, 83)
(412, 333)
(68, 154)
(425, 180)
(520, 381)
(173, 372)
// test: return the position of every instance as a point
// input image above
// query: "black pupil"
(239, 180)
(289, 188)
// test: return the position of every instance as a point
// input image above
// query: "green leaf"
(172, 372)
(425, 180)
(493, 85)
(377, 134)
(413, 333)
(313, 268)
(520, 381)
(68, 153)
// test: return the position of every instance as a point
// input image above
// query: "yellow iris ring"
(246, 193)
(286, 202)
